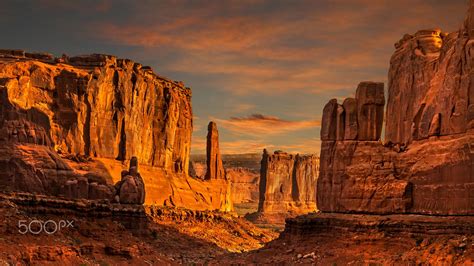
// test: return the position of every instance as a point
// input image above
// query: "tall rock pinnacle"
(215, 168)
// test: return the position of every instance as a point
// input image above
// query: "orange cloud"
(261, 125)
(78, 6)
(308, 146)
(304, 146)
(244, 146)
(312, 47)
(242, 107)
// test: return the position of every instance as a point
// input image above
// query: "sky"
(262, 70)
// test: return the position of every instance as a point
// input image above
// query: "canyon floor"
(123, 235)
(98, 237)
(348, 239)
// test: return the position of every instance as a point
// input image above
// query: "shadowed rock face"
(426, 165)
(360, 118)
(370, 101)
(215, 168)
(431, 78)
(131, 189)
(287, 183)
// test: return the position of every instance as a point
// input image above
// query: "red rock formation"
(215, 168)
(215, 171)
(287, 183)
(370, 101)
(426, 165)
(244, 185)
(131, 189)
(329, 122)
(69, 125)
(101, 106)
(351, 126)
(243, 172)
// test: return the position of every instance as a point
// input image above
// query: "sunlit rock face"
(241, 170)
(288, 182)
(100, 106)
(426, 163)
(215, 168)
(244, 185)
(70, 125)
(429, 41)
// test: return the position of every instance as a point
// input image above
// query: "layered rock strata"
(99, 106)
(69, 125)
(288, 183)
(244, 185)
(426, 163)
(242, 170)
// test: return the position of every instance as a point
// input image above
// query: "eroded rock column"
(215, 168)
(370, 108)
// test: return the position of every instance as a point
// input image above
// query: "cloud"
(242, 107)
(198, 145)
(306, 146)
(301, 146)
(77, 6)
(244, 146)
(252, 47)
(239, 56)
(262, 125)
(197, 125)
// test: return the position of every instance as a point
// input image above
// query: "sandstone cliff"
(287, 183)
(99, 106)
(426, 163)
(80, 119)
(244, 185)
(243, 172)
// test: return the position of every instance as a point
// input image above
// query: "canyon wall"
(73, 123)
(99, 106)
(242, 170)
(244, 185)
(288, 183)
(426, 163)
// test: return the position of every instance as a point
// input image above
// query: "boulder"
(131, 188)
